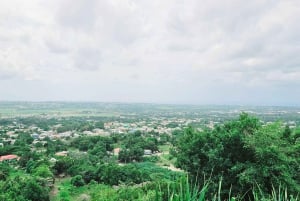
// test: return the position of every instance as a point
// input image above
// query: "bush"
(77, 181)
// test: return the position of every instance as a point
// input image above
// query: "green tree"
(43, 171)
(77, 181)
(34, 192)
(62, 165)
(242, 152)
(4, 171)
(134, 153)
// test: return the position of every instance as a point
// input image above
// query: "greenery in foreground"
(240, 160)
(179, 190)
(247, 155)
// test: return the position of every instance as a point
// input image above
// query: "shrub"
(77, 181)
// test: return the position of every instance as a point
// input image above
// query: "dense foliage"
(22, 187)
(243, 153)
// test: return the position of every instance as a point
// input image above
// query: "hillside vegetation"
(242, 159)
(245, 155)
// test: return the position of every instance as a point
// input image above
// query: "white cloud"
(163, 51)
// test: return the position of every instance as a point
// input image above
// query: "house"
(147, 152)
(87, 132)
(10, 157)
(65, 134)
(35, 136)
(62, 153)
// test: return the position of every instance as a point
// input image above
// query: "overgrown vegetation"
(241, 159)
(247, 155)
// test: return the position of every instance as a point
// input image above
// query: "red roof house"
(9, 157)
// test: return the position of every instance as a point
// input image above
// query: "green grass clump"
(164, 190)
(184, 190)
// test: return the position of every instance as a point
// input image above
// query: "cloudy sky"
(158, 51)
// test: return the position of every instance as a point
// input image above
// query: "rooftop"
(8, 157)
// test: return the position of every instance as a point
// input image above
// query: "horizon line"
(152, 103)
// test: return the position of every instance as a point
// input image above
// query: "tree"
(134, 153)
(62, 165)
(242, 152)
(28, 156)
(23, 189)
(77, 181)
(42, 171)
(4, 171)
(34, 192)
(276, 159)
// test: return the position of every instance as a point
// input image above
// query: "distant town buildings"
(62, 153)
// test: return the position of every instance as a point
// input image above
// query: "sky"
(159, 51)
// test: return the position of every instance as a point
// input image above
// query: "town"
(59, 144)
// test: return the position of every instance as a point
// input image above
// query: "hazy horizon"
(148, 103)
(163, 52)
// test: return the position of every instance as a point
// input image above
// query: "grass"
(164, 148)
(164, 157)
(279, 194)
(182, 190)
(67, 192)
(186, 191)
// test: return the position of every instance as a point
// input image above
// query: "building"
(9, 158)
(62, 153)
(147, 152)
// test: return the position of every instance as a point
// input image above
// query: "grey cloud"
(171, 48)
(87, 59)
(134, 76)
(115, 21)
(79, 14)
(56, 48)
(6, 75)
(248, 43)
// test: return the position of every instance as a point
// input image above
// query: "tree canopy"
(245, 153)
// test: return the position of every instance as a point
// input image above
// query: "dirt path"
(54, 191)
(173, 168)
(168, 163)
